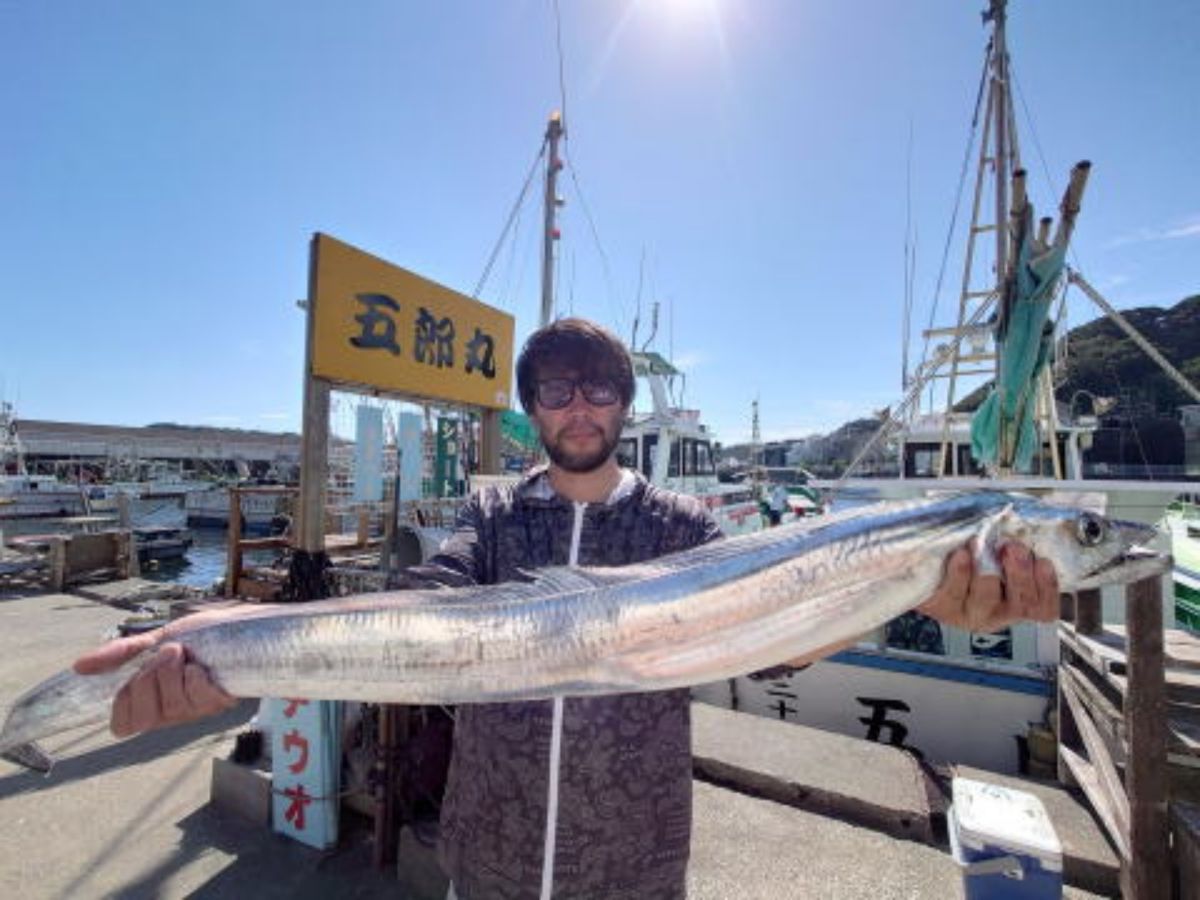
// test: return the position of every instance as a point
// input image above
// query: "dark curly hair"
(578, 346)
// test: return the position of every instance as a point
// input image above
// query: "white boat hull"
(38, 497)
(210, 509)
(946, 712)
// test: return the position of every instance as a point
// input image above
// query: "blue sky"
(164, 164)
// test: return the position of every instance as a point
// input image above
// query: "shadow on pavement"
(266, 865)
(125, 753)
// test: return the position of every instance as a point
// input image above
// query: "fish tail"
(31, 756)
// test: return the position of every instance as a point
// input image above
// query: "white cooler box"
(1004, 842)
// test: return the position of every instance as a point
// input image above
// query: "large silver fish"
(724, 609)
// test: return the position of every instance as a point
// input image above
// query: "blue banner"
(368, 455)
(412, 456)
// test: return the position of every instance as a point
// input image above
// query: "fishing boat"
(158, 484)
(28, 496)
(946, 694)
(1183, 521)
(668, 443)
(156, 543)
(262, 513)
(674, 449)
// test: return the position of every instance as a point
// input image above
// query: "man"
(778, 503)
(579, 797)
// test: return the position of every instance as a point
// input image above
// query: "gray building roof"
(78, 440)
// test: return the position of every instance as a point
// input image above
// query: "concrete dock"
(780, 810)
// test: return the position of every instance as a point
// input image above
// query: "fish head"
(1087, 548)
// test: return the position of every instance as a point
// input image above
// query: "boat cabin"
(928, 436)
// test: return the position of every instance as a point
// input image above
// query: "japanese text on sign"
(379, 326)
(304, 778)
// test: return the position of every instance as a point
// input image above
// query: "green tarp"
(516, 427)
(1003, 431)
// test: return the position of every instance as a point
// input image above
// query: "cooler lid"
(1005, 818)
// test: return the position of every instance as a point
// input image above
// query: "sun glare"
(681, 29)
(688, 13)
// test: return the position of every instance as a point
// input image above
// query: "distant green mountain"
(1101, 359)
(1104, 361)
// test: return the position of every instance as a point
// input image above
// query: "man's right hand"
(169, 689)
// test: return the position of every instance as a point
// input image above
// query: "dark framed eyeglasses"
(557, 393)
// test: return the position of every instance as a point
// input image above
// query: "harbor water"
(204, 563)
(201, 567)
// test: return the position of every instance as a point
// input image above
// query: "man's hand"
(168, 690)
(968, 599)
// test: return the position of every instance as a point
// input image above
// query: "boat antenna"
(637, 312)
(562, 80)
(671, 329)
(909, 264)
(653, 326)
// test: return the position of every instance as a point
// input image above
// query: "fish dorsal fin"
(1085, 501)
(549, 582)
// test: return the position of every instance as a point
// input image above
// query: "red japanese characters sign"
(305, 768)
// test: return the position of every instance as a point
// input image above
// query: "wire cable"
(962, 177)
(604, 265)
(487, 269)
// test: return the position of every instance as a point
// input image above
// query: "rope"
(962, 177)
(911, 396)
(1064, 309)
(508, 223)
(587, 214)
(506, 290)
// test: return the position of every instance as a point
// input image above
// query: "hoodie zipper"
(556, 726)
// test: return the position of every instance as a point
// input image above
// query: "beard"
(582, 461)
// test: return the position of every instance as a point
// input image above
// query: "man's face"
(581, 436)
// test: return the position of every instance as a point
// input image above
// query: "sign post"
(376, 328)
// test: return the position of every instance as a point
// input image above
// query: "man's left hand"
(966, 598)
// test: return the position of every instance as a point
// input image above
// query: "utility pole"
(755, 450)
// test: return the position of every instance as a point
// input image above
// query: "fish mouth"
(1134, 564)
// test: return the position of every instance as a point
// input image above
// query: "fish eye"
(1090, 529)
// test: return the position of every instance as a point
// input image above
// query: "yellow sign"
(380, 327)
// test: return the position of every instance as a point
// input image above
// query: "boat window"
(966, 463)
(992, 646)
(627, 453)
(688, 450)
(704, 459)
(649, 442)
(920, 460)
(913, 631)
(673, 465)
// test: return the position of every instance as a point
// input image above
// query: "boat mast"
(554, 133)
(998, 152)
(1002, 164)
